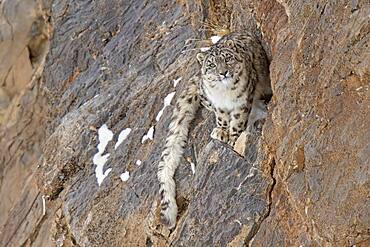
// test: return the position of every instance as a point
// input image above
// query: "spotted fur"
(234, 74)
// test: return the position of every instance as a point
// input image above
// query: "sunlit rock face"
(24, 33)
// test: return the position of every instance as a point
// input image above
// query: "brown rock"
(303, 180)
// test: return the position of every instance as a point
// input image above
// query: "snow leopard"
(234, 73)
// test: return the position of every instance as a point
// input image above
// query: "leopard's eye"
(211, 65)
(228, 58)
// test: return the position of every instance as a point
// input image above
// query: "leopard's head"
(221, 63)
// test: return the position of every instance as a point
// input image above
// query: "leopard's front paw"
(232, 141)
(220, 134)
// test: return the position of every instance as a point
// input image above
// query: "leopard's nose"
(224, 73)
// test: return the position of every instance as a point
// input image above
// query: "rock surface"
(318, 131)
(24, 32)
(304, 180)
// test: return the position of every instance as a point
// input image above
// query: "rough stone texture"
(119, 73)
(304, 180)
(23, 44)
(318, 131)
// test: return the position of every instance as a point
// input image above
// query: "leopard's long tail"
(186, 107)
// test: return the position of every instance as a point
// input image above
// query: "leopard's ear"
(201, 56)
(229, 43)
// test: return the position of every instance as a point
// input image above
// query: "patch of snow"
(168, 98)
(138, 162)
(192, 166)
(99, 161)
(96, 96)
(104, 136)
(43, 205)
(167, 102)
(122, 136)
(203, 49)
(160, 113)
(149, 135)
(176, 81)
(214, 39)
(125, 176)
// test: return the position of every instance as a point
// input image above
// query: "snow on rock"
(125, 176)
(99, 161)
(176, 81)
(104, 136)
(43, 205)
(149, 135)
(167, 102)
(122, 136)
(192, 166)
(214, 39)
(138, 162)
(168, 98)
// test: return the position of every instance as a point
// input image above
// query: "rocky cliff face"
(24, 34)
(304, 176)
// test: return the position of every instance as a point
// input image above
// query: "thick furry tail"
(186, 107)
